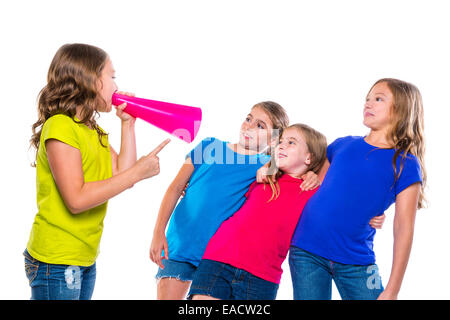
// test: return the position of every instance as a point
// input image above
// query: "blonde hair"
(71, 82)
(316, 143)
(277, 116)
(406, 129)
(275, 112)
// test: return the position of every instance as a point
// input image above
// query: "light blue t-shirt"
(358, 186)
(216, 191)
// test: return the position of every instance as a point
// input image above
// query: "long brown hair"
(317, 147)
(71, 82)
(407, 128)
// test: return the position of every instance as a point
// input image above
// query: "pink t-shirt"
(257, 237)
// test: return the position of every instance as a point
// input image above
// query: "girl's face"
(292, 155)
(377, 109)
(106, 84)
(256, 130)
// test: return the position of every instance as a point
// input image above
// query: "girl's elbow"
(75, 210)
(75, 207)
(176, 189)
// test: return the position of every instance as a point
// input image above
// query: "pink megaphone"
(181, 121)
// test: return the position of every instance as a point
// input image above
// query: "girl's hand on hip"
(377, 222)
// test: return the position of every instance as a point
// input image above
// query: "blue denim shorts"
(225, 282)
(180, 270)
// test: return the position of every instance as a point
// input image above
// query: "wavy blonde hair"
(71, 82)
(406, 129)
(317, 147)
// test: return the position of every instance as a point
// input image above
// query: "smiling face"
(292, 155)
(255, 134)
(106, 84)
(377, 109)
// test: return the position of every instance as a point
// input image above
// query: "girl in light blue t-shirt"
(219, 174)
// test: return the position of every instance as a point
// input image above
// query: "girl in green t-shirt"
(77, 172)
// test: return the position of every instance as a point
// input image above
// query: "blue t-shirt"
(216, 191)
(358, 186)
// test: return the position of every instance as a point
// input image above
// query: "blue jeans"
(312, 276)
(225, 282)
(59, 282)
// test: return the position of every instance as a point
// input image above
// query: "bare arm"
(127, 155)
(405, 214)
(168, 204)
(66, 166)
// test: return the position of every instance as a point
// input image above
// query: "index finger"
(159, 260)
(160, 147)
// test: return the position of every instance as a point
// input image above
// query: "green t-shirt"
(57, 235)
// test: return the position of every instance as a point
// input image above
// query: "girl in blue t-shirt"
(364, 176)
(219, 174)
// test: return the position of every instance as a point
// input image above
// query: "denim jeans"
(312, 276)
(225, 282)
(59, 282)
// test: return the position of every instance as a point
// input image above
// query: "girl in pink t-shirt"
(243, 259)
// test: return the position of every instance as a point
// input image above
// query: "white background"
(316, 58)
